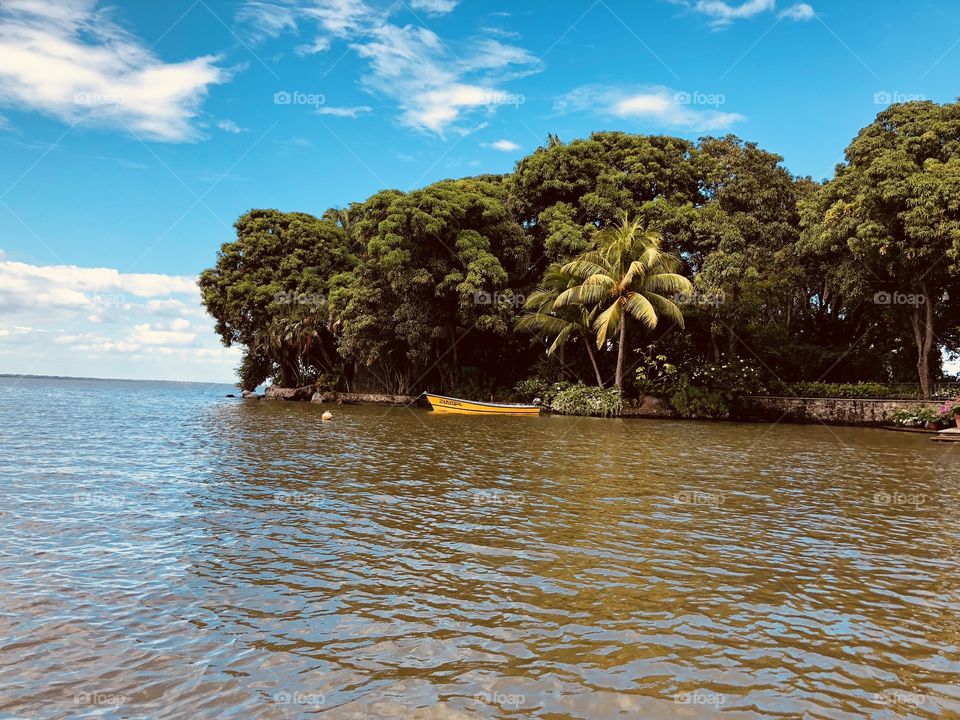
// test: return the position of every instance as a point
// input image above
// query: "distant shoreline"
(22, 376)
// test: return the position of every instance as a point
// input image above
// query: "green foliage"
(838, 390)
(588, 400)
(917, 416)
(656, 376)
(735, 377)
(593, 249)
(699, 402)
(532, 388)
(711, 390)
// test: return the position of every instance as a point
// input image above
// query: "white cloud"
(68, 59)
(434, 89)
(230, 126)
(434, 6)
(437, 88)
(660, 106)
(504, 145)
(724, 12)
(350, 112)
(800, 12)
(68, 320)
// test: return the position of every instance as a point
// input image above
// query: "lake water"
(171, 553)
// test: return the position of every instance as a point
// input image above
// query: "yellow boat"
(456, 406)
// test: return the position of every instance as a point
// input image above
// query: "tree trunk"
(593, 360)
(621, 350)
(925, 340)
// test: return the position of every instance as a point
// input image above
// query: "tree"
(894, 205)
(624, 277)
(280, 267)
(571, 322)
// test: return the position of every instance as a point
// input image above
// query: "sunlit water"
(171, 553)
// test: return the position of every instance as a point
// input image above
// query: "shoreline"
(852, 412)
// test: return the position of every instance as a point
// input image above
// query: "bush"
(655, 376)
(838, 390)
(916, 416)
(528, 390)
(697, 402)
(710, 390)
(588, 400)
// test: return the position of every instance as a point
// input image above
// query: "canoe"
(448, 405)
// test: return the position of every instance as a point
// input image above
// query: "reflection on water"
(172, 553)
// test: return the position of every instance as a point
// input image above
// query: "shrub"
(709, 390)
(838, 390)
(588, 400)
(916, 416)
(528, 390)
(697, 402)
(655, 376)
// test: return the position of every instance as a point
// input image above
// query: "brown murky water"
(170, 553)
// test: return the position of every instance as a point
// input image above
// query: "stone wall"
(310, 393)
(838, 411)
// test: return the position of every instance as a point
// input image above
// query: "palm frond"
(667, 282)
(665, 307)
(607, 321)
(581, 295)
(640, 308)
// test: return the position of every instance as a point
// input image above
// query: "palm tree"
(561, 324)
(622, 277)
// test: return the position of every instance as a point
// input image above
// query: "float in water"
(457, 406)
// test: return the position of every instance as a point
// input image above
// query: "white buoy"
(327, 415)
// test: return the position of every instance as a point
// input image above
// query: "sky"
(133, 134)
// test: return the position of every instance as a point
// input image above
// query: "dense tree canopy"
(466, 285)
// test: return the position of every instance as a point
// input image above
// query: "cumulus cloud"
(657, 105)
(69, 320)
(503, 145)
(69, 59)
(436, 88)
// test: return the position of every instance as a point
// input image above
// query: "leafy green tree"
(438, 265)
(625, 277)
(278, 264)
(894, 206)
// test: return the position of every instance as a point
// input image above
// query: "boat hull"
(455, 406)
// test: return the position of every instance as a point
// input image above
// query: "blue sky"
(133, 134)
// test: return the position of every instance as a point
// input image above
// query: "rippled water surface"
(171, 553)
